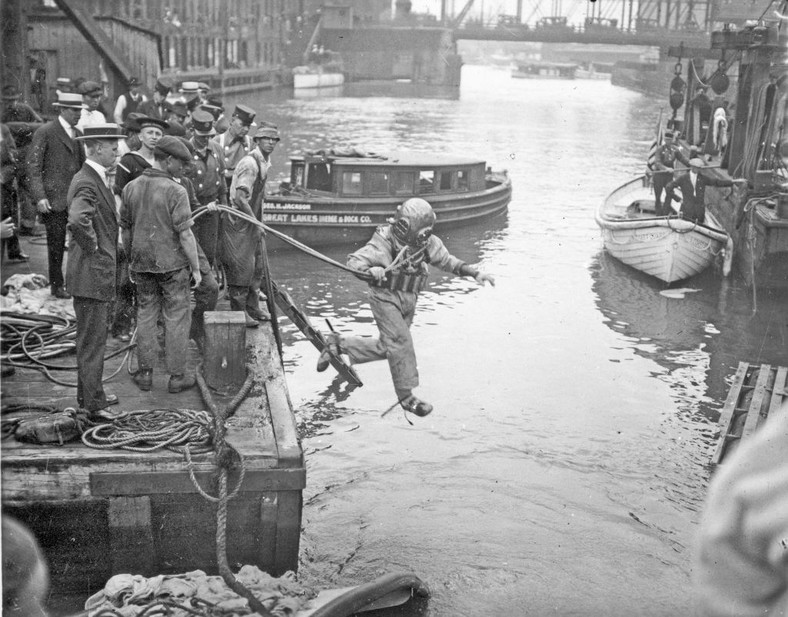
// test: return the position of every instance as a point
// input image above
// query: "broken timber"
(757, 392)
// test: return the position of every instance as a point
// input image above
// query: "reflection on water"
(565, 464)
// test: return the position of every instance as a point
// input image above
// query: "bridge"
(660, 23)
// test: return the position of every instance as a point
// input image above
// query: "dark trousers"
(660, 179)
(10, 208)
(91, 341)
(123, 309)
(55, 223)
(205, 298)
(206, 231)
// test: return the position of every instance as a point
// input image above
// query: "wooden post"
(13, 64)
(225, 348)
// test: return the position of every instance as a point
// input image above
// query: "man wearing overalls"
(241, 241)
(396, 259)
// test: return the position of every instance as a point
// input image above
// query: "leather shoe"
(178, 383)
(416, 406)
(19, 257)
(259, 314)
(250, 322)
(144, 379)
(112, 399)
(60, 293)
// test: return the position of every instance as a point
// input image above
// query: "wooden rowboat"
(666, 247)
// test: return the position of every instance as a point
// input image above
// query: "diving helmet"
(413, 222)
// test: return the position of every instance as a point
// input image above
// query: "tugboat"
(756, 148)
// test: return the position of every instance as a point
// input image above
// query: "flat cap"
(90, 88)
(173, 146)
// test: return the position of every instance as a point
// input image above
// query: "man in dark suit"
(92, 257)
(52, 161)
(692, 185)
(156, 107)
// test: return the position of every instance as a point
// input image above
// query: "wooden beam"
(754, 414)
(728, 408)
(153, 483)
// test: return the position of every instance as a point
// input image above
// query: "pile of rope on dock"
(196, 593)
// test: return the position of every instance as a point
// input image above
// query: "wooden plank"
(779, 392)
(754, 413)
(130, 535)
(154, 483)
(224, 363)
(269, 519)
(726, 416)
(283, 422)
(288, 531)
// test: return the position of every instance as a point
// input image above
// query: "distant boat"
(317, 77)
(341, 197)
(592, 71)
(666, 247)
(545, 70)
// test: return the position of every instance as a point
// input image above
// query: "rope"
(364, 276)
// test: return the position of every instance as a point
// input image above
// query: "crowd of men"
(124, 187)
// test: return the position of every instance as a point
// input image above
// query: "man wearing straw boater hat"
(53, 160)
(692, 185)
(92, 256)
(207, 176)
(235, 141)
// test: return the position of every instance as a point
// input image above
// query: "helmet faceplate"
(413, 222)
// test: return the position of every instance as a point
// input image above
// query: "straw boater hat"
(697, 162)
(202, 122)
(63, 84)
(68, 99)
(189, 86)
(101, 131)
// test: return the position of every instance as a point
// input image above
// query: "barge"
(342, 197)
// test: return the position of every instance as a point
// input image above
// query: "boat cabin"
(398, 176)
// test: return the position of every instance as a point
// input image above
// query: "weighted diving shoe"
(144, 379)
(416, 406)
(178, 383)
(332, 346)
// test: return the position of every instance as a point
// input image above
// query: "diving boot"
(416, 406)
(332, 346)
(178, 383)
(144, 379)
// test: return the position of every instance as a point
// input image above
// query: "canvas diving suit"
(393, 302)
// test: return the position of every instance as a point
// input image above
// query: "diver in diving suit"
(396, 258)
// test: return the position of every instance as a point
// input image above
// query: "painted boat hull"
(317, 80)
(668, 248)
(328, 221)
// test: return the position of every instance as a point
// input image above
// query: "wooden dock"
(757, 392)
(98, 512)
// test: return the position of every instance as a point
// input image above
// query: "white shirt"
(68, 128)
(90, 118)
(693, 178)
(100, 170)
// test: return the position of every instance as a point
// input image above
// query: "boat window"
(427, 181)
(378, 182)
(297, 174)
(351, 183)
(402, 182)
(463, 180)
(319, 177)
(445, 180)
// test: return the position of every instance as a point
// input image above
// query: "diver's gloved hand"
(377, 272)
(483, 277)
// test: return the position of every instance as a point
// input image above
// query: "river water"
(564, 468)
